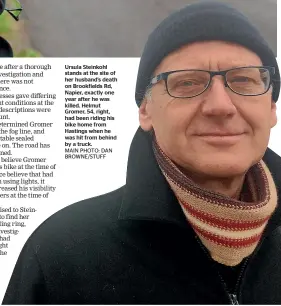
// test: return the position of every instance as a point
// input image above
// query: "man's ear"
(145, 115)
(273, 114)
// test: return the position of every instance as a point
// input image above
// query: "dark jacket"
(134, 246)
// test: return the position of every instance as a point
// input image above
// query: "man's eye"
(242, 79)
(188, 83)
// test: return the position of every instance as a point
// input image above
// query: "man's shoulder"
(105, 204)
(80, 221)
(65, 253)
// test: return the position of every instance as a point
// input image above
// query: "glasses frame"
(10, 11)
(164, 76)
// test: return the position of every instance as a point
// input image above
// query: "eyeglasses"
(244, 81)
(15, 13)
(16, 10)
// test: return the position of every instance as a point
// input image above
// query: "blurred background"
(116, 28)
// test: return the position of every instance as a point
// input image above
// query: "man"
(198, 221)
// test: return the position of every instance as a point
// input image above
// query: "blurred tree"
(12, 29)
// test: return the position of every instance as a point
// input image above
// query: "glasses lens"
(189, 83)
(248, 81)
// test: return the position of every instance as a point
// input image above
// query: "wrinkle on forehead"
(213, 55)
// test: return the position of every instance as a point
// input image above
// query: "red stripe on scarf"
(227, 242)
(222, 223)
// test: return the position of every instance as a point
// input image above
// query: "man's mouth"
(221, 138)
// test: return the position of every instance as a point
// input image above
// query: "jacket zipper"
(232, 297)
(236, 289)
(247, 263)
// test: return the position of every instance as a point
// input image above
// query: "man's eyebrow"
(231, 65)
(199, 65)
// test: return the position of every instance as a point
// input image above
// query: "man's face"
(189, 129)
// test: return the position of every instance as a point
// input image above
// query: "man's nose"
(217, 101)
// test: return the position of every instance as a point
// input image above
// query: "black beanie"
(202, 21)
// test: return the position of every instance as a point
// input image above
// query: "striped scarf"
(230, 229)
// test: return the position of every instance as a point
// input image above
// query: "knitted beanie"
(203, 21)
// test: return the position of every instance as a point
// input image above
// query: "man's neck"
(230, 187)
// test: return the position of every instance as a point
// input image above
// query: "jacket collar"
(147, 195)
